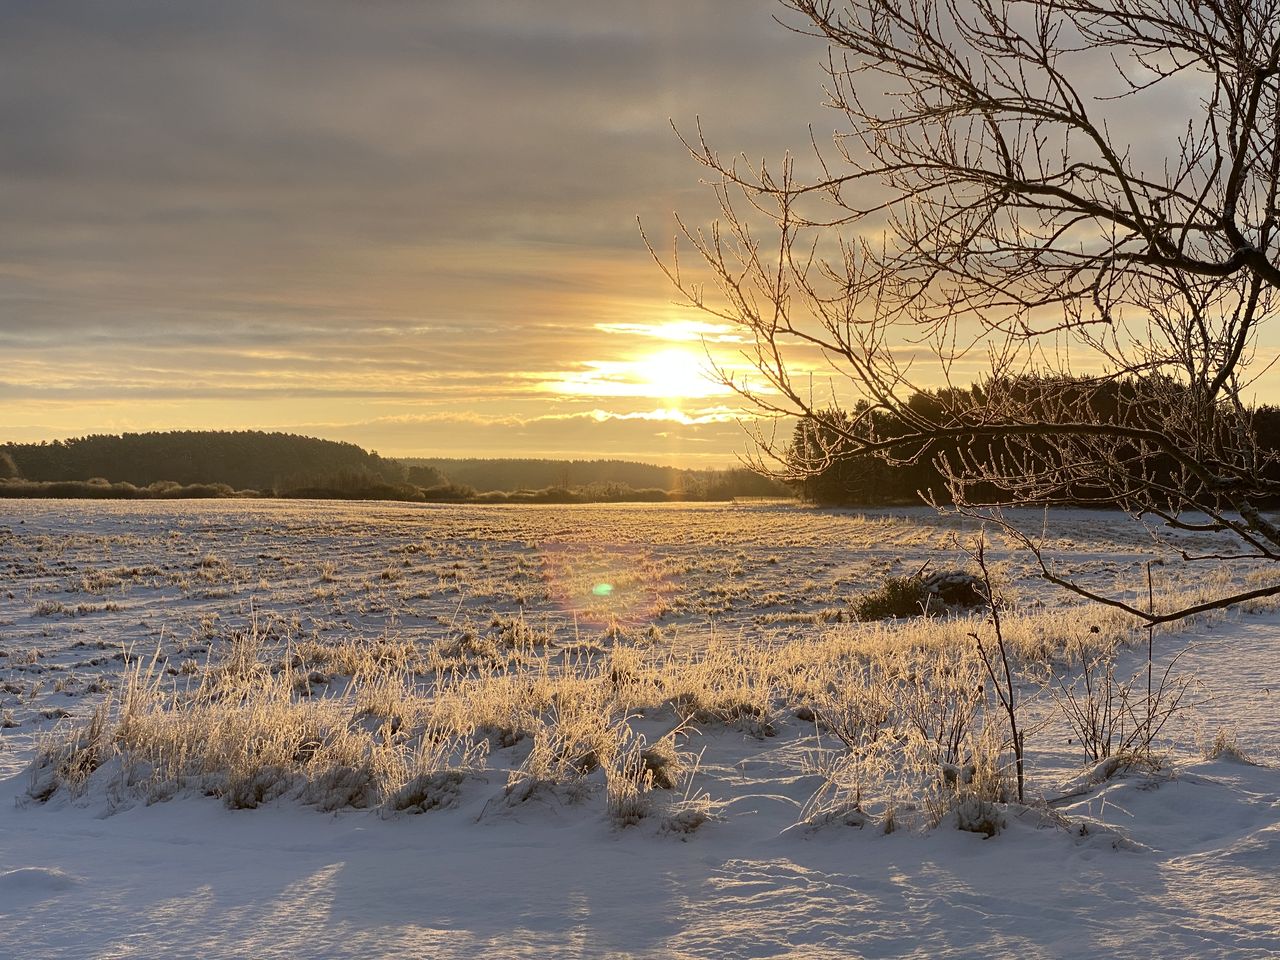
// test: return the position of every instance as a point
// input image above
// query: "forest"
(243, 460)
(822, 470)
(206, 463)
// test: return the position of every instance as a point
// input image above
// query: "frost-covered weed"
(725, 682)
(1226, 745)
(67, 758)
(246, 737)
(287, 711)
(686, 815)
(915, 736)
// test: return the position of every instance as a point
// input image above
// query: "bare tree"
(1072, 194)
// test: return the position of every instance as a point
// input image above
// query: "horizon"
(647, 460)
(682, 462)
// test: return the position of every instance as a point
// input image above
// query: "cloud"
(679, 331)
(243, 213)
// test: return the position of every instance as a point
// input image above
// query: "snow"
(1180, 862)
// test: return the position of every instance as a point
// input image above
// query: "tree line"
(826, 463)
(249, 460)
(207, 463)
(604, 478)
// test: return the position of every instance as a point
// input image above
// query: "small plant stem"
(1008, 697)
(1151, 627)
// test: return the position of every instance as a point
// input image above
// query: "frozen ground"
(1183, 863)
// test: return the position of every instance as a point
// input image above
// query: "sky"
(410, 225)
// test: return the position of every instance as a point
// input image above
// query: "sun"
(674, 374)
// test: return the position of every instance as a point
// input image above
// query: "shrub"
(896, 597)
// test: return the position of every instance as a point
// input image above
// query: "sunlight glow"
(674, 374)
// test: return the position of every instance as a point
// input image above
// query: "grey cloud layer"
(283, 126)
(197, 194)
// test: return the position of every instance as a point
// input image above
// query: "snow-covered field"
(730, 863)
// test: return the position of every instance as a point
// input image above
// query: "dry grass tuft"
(900, 711)
(1226, 745)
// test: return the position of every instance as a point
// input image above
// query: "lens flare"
(604, 583)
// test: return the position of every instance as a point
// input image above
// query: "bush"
(448, 492)
(100, 489)
(897, 597)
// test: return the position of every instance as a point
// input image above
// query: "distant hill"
(242, 459)
(510, 475)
